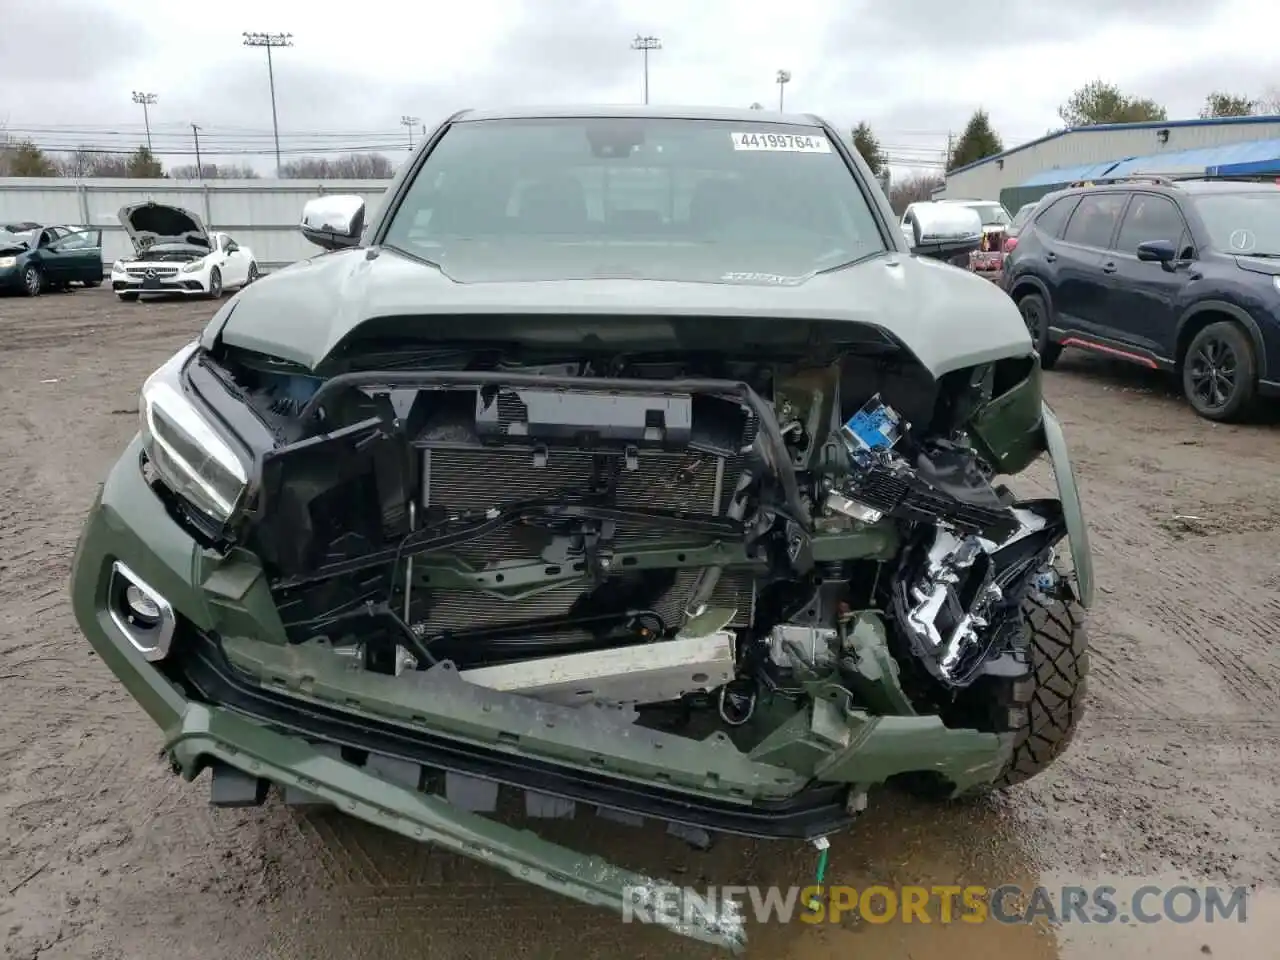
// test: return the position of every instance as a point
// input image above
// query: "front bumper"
(130, 523)
(181, 283)
(10, 278)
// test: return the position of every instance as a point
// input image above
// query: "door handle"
(1050, 256)
(1109, 267)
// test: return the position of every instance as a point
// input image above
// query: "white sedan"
(176, 254)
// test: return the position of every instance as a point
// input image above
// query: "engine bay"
(683, 537)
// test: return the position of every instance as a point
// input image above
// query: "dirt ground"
(104, 854)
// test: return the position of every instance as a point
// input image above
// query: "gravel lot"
(103, 854)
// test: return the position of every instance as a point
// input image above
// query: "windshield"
(656, 199)
(1024, 212)
(1247, 224)
(13, 238)
(991, 214)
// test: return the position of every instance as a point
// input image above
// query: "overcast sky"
(914, 69)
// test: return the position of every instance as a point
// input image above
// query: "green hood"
(948, 318)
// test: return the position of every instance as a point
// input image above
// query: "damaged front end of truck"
(726, 588)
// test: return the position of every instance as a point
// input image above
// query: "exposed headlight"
(118, 267)
(195, 266)
(8, 261)
(187, 453)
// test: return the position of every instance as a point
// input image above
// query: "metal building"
(1081, 147)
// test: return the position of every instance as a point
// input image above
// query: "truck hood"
(948, 318)
(151, 223)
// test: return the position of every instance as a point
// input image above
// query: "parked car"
(174, 253)
(1015, 226)
(35, 258)
(671, 502)
(1176, 275)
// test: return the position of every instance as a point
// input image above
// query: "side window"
(1150, 217)
(1054, 217)
(1094, 220)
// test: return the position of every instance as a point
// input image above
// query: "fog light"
(141, 606)
(140, 613)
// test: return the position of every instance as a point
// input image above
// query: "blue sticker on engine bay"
(875, 426)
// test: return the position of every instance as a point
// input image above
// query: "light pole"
(195, 132)
(410, 123)
(784, 77)
(644, 45)
(270, 40)
(146, 99)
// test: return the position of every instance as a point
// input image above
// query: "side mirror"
(333, 222)
(1162, 252)
(945, 231)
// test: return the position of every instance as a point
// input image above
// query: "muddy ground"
(104, 854)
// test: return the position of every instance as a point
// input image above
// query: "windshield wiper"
(852, 261)
(413, 256)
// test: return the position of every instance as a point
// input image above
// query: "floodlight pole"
(270, 40)
(644, 45)
(146, 99)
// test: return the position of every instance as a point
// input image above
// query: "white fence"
(260, 214)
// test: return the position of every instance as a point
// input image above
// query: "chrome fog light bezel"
(153, 641)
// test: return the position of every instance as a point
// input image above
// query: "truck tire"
(1039, 709)
(1044, 709)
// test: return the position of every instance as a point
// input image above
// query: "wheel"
(1039, 708)
(1044, 710)
(1035, 314)
(1220, 372)
(32, 280)
(128, 295)
(215, 284)
(93, 283)
(253, 274)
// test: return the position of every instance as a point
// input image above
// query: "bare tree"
(214, 171)
(88, 162)
(355, 166)
(914, 189)
(1269, 103)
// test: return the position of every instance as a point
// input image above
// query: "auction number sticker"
(785, 142)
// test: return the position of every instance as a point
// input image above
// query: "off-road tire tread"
(1044, 714)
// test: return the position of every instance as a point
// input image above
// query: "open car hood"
(151, 223)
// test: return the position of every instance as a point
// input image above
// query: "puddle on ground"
(1181, 924)
(382, 890)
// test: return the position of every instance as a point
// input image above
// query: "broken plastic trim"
(776, 448)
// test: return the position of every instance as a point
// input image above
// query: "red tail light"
(1009, 244)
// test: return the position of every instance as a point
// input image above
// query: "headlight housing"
(195, 266)
(8, 261)
(118, 267)
(1276, 281)
(187, 453)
